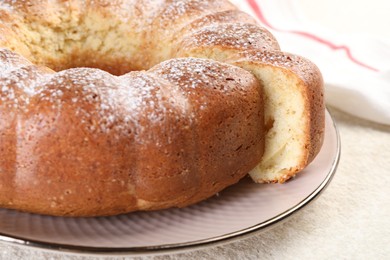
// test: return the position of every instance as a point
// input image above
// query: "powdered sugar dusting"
(89, 95)
(177, 9)
(193, 73)
(100, 102)
(10, 60)
(274, 58)
(201, 80)
(7, 6)
(242, 36)
(220, 17)
(126, 105)
(299, 65)
(104, 103)
(18, 86)
(18, 80)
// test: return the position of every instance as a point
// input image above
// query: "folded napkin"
(356, 67)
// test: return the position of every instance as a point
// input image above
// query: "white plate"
(237, 211)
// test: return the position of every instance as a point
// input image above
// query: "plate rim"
(186, 246)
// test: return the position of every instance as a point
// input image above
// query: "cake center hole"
(84, 41)
(76, 55)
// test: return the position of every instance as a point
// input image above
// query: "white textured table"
(351, 219)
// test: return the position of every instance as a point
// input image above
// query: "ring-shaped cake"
(108, 107)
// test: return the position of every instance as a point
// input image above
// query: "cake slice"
(294, 112)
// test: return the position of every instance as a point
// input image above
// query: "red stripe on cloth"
(256, 8)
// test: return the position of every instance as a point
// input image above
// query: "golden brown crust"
(82, 142)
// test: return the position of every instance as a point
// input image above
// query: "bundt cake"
(108, 107)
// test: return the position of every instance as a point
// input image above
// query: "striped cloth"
(356, 67)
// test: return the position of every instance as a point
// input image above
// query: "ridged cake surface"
(108, 107)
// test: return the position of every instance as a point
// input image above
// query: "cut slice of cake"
(294, 112)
